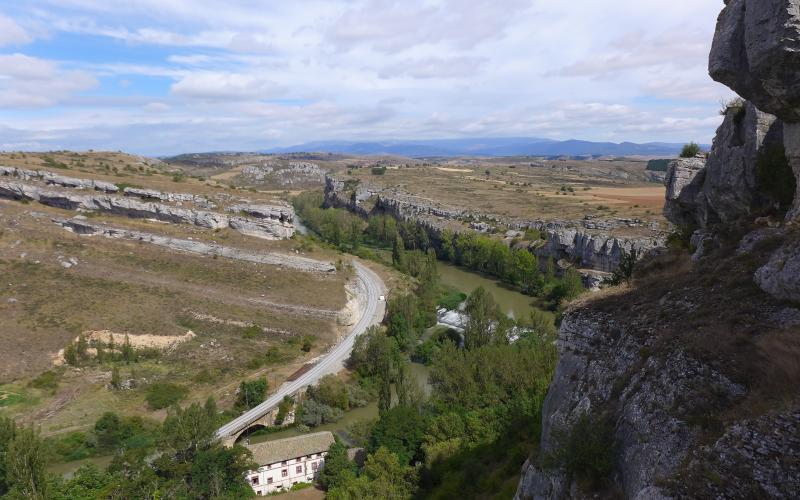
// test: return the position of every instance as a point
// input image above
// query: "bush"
(163, 394)
(378, 170)
(586, 450)
(451, 299)
(46, 381)
(690, 150)
(251, 394)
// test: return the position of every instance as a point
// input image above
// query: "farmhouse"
(286, 462)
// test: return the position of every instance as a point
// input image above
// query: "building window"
(314, 466)
(298, 469)
(254, 479)
(285, 473)
(269, 480)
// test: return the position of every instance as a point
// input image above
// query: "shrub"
(690, 150)
(378, 170)
(586, 450)
(46, 381)
(451, 299)
(163, 394)
(251, 394)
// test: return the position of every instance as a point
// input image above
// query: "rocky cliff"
(573, 241)
(276, 227)
(688, 379)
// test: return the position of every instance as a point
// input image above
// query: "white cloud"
(433, 67)
(12, 33)
(391, 25)
(260, 73)
(226, 86)
(31, 82)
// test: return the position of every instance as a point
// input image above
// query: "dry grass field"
(249, 319)
(531, 189)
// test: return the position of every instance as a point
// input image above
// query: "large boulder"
(756, 52)
(684, 181)
(780, 277)
(731, 188)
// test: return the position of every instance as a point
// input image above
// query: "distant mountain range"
(513, 146)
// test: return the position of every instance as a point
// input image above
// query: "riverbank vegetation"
(412, 245)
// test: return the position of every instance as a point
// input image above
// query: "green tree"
(186, 431)
(251, 394)
(484, 316)
(690, 150)
(336, 464)
(116, 379)
(331, 391)
(398, 254)
(400, 430)
(26, 465)
(218, 472)
(8, 429)
(383, 477)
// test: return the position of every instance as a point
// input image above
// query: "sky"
(161, 77)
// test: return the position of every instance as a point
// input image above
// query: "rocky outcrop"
(656, 399)
(756, 52)
(80, 226)
(725, 188)
(282, 213)
(152, 194)
(58, 180)
(561, 239)
(780, 277)
(130, 207)
(684, 181)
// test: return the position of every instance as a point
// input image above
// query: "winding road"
(331, 362)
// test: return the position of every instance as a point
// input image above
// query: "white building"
(286, 462)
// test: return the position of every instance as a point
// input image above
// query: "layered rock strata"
(131, 207)
(568, 240)
(82, 227)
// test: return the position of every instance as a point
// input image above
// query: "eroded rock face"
(604, 367)
(724, 188)
(730, 190)
(82, 227)
(562, 239)
(135, 208)
(756, 52)
(780, 277)
(684, 182)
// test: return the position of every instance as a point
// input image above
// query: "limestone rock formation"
(731, 189)
(80, 226)
(756, 52)
(780, 277)
(562, 239)
(725, 188)
(684, 181)
(135, 208)
(58, 180)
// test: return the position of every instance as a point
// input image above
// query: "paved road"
(333, 360)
